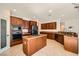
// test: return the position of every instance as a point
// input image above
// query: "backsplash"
(24, 30)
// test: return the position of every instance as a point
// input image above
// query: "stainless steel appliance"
(16, 32)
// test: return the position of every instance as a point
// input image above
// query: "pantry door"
(3, 33)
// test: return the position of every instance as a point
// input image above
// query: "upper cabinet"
(25, 24)
(16, 21)
(19, 21)
(51, 25)
(32, 23)
(13, 20)
(43, 26)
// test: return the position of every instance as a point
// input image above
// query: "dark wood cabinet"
(59, 38)
(30, 25)
(43, 26)
(71, 44)
(33, 22)
(51, 25)
(15, 42)
(16, 21)
(20, 22)
(25, 24)
(13, 20)
(50, 35)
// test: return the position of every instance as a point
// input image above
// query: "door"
(3, 33)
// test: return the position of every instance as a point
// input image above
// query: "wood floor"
(53, 48)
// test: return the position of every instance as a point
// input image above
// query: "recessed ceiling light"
(50, 11)
(14, 9)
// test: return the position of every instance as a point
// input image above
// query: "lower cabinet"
(50, 35)
(15, 42)
(40, 42)
(59, 38)
(71, 43)
(31, 47)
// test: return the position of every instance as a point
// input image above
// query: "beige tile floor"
(53, 48)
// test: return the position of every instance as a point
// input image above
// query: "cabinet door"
(44, 40)
(59, 38)
(13, 20)
(38, 43)
(25, 24)
(25, 46)
(54, 25)
(71, 44)
(50, 36)
(51, 25)
(19, 21)
(30, 25)
(16, 21)
(43, 26)
(33, 22)
(32, 46)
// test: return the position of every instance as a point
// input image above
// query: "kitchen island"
(32, 44)
(71, 43)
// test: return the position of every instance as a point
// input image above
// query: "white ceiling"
(41, 10)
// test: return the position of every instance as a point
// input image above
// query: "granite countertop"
(25, 33)
(71, 34)
(32, 37)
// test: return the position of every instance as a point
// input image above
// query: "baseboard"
(4, 49)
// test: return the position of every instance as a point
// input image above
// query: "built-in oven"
(17, 36)
(16, 32)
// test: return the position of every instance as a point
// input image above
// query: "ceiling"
(41, 10)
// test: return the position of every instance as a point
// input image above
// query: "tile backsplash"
(24, 30)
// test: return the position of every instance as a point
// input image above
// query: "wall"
(74, 23)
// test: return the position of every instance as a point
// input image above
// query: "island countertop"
(33, 36)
